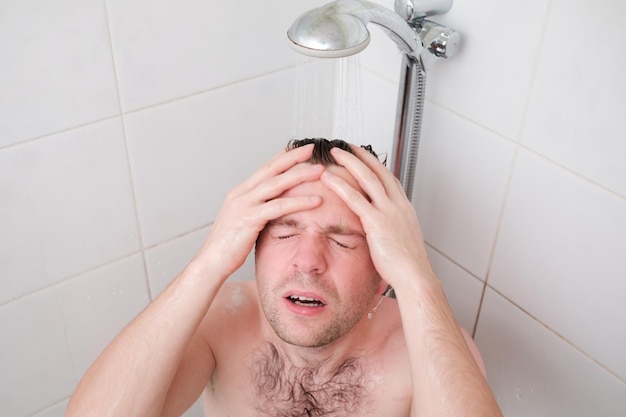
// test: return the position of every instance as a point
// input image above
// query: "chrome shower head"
(327, 32)
(321, 33)
(339, 29)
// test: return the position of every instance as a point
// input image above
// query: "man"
(313, 336)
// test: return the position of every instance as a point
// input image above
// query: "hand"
(388, 217)
(249, 206)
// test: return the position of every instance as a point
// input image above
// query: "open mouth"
(305, 301)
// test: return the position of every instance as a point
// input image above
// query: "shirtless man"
(313, 336)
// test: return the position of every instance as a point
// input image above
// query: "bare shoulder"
(235, 298)
(235, 308)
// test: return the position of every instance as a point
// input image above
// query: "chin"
(310, 338)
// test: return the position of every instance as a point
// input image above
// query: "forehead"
(318, 188)
(332, 209)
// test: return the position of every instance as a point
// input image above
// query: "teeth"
(304, 301)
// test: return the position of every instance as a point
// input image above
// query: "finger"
(280, 163)
(390, 182)
(283, 206)
(353, 198)
(275, 186)
(367, 179)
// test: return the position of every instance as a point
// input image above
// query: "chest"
(264, 384)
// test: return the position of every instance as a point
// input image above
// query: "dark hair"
(321, 151)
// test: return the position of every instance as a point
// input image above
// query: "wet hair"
(321, 151)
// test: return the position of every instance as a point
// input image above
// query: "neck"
(359, 342)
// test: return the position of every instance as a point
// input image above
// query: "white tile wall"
(520, 177)
(164, 262)
(57, 410)
(488, 80)
(463, 290)
(97, 305)
(52, 336)
(56, 70)
(165, 49)
(536, 373)
(176, 150)
(578, 283)
(586, 133)
(460, 183)
(67, 206)
(37, 367)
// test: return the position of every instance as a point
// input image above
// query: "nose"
(309, 256)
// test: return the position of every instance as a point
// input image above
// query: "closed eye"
(341, 245)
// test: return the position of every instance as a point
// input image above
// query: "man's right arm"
(159, 364)
(134, 374)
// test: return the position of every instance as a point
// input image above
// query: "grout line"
(97, 267)
(69, 278)
(380, 75)
(514, 159)
(123, 112)
(496, 234)
(127, 153)
(560, 336)
(471, 121)
(535, 68)
(574, 173)
(527, 313)
(209, 90)
(57, 132)
(50, 406)
(454, 262)
(480, 308)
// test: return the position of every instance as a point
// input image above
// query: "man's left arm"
(447, 380)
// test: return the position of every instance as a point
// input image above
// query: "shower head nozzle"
(320, 33)
(339, 29)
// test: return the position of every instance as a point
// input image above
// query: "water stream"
(327, 99)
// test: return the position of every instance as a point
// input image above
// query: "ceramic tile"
(488, 79)
(56, 69)
(576, 115)
(35, 358)
(66, 207)
(195, 410)
(382, 56)
(178, 150)
(97, 305)
(57, 410)
(167, 260)
(164, 50)
(560, 256)
(379, 98)
(534, 372)
(461, 176)
(463, 291)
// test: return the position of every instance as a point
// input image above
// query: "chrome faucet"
(339, 29)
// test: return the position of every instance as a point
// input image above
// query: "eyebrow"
(336, 229)
(342, 230)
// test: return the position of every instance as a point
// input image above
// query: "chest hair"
(284, 390)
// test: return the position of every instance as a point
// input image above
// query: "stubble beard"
(343, 319)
